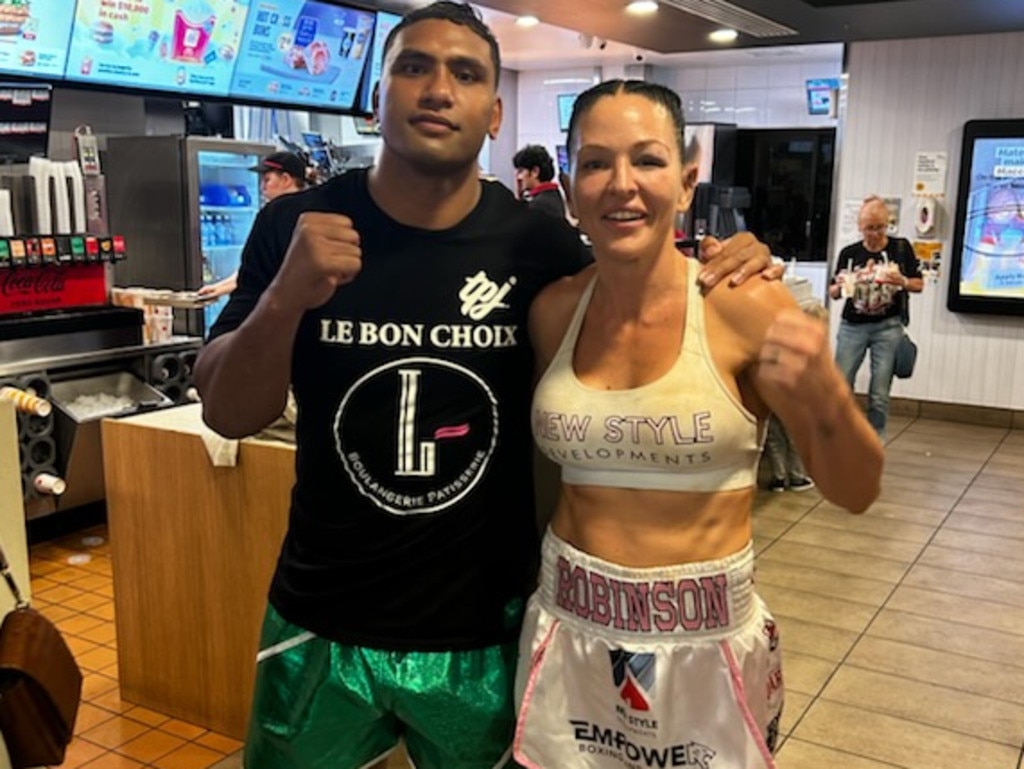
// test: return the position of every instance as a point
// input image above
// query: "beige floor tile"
(870, 524)
(949, 469)
(978, 543)
(890, 512)
(797, 754)
(814, 607)
(813, 639)
(871, 592)
(1003, 510)
(899, 742)
(877, 545)
(991, 480)
(914, 481)
(984, 494)
(987, 589)
(973, 562)
(804, 673)
(1006, 465)
(965, 448)
(952, 671)
(956, 430)
(941, 634)
(915, 701)
(929, 500)
(962, 609)
(769, 528)
(826, 559)
(778, 507)
(794, 709)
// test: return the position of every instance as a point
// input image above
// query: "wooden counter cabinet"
(193, 547)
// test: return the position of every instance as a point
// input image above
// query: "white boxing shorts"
(622, 668)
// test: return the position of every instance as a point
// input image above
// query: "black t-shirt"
(412, 523)
(873, 301)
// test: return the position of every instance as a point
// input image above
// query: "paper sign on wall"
(930, 173)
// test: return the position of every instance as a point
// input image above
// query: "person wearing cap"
(280, 173)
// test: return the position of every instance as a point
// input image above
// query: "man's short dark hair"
(462, 14)
(535, 156)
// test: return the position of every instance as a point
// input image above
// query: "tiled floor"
(903, 629)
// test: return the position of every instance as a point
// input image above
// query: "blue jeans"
(881, 337)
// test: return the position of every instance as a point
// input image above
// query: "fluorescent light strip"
(729, 15)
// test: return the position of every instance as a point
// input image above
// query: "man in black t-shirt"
(395, 301)
(875, 276)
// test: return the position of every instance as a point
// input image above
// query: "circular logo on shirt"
(416, 435)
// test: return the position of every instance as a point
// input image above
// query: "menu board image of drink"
(167, 45)
(33, 41)
(303, 52)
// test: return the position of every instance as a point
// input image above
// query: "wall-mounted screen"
(385, 23)
(24, 121)
(32, 42)
(987, 262)
(821, 96)
(565, 102)
(304, 53)
(185, 46)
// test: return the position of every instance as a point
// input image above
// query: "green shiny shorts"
(322, 705)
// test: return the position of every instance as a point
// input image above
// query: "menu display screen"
(385, 23)
(303, 52)
(31, 42)
(169, 45)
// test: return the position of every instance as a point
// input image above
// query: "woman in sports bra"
(645, 644)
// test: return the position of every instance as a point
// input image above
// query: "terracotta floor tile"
(115, 732)
(89, 716)
(53, 612)
(41, 584)
(112, 671)
(67, 575)
(79, 646)
(219, 742)
(94, 684)
(80, 752)
(150, 746)
(87, 602)
(113, 761)
(101, 633)
(39, 567)
(104, 611)
(79, 624)
(60, 594)
(147, 716)
(111, 700)
(189, 756)
(183, 729)
(96, 659)
(91, 582)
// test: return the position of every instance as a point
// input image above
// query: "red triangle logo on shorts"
(631, 694)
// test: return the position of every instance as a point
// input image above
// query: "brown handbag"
(40, 685)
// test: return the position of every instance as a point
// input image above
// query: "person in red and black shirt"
(535, 180)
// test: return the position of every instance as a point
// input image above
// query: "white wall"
(768, 95)
(909, 96)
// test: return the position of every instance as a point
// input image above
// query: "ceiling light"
(527, 21)
(642, 7)
(723, 36)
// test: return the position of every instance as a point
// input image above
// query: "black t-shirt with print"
(873, 301)
(411, 523)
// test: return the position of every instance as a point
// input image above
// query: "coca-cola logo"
(32, 282)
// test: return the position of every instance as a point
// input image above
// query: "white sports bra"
(683, 432)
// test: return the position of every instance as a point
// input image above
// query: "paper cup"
(45, 483)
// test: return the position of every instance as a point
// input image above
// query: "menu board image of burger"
(303, 52)
(33, 39)
(168, 45)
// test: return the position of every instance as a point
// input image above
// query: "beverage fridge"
(185, 205)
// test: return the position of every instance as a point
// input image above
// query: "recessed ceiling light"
(527, 21)
(642, 7)
(723, 36)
